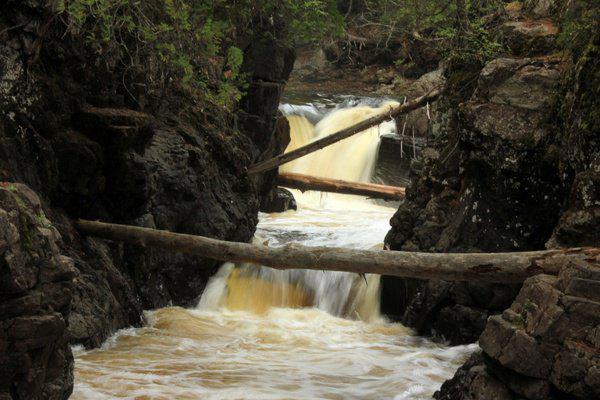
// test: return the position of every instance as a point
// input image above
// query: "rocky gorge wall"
(512, 165)
(74, 144)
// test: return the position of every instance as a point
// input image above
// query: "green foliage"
(189, 45)
(580, 22)
(475, 48)
(437, 23)
(312, 20)
(42, 220)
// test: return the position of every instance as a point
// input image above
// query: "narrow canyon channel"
(266, 334)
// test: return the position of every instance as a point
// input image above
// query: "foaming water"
(260, 333)
(352, 159)
(283, 354)
(320, 220)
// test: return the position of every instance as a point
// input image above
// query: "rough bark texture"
(73, 134)
(306, 182)
(484, 267)
(489, 181)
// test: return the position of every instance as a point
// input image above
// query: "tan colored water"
(259, 333)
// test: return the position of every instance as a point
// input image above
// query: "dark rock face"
(578, 225)
(544, 346)
(580, 145)
(268, 64)
(36, 285)
(68, 132)
(473, 382)
(488, 183)
(512, 165)
(419, 119)
(529, 31)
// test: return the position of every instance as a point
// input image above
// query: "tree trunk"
(487, 267)
(306, 182)
(344, 133)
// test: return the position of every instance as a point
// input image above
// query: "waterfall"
(252, 288)
(261, 333)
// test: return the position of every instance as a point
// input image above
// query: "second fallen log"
(306, 182)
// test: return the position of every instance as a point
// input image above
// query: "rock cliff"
(86, 147)
(544, 346)
(497, 175)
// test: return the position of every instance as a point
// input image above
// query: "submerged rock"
(278, 200)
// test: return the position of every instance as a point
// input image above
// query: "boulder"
(527, 37)
(36, 285)
(419, 120)
(278, 200)
(544, 346)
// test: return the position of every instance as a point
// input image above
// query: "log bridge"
(485, 267)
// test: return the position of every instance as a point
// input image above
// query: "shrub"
(188, 46)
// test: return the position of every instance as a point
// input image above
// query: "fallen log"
(487, 267)
(306, 182)
(393, 112)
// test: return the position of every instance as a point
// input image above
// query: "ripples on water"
(260, 333)
(285, 353)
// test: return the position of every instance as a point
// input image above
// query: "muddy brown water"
(259, 333)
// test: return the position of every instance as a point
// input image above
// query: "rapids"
(266, 334)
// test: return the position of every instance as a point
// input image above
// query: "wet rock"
(492, 146)
(473, 382)
(460, 323)
(580, 150)
(92, 149)
(578, 224)
(36, 284)
(279, 200)
(529, 37)
(116, 129)
(269, 60)
(545, 345)
(419, 120)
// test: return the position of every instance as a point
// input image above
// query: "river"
(259, 333)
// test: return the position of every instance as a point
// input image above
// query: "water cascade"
(259, 333)
(250, 287)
